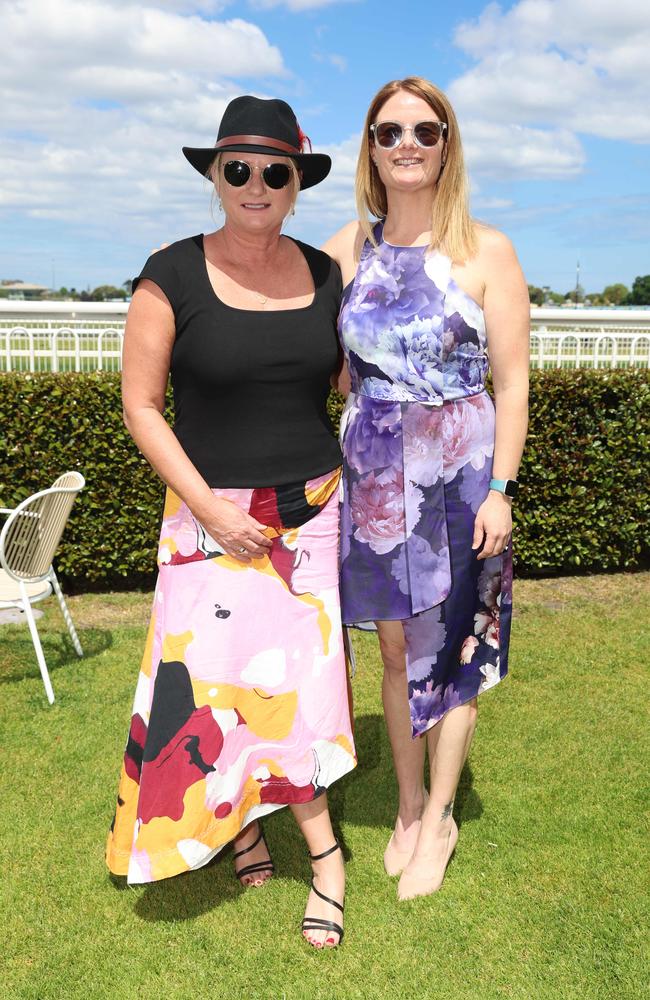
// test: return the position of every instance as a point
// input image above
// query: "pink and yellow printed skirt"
(242, 704)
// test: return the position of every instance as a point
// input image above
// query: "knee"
(393, 654)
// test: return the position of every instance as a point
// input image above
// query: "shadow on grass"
(367, 797)
(189, 895)
(19, 656)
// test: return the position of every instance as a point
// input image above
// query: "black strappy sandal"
(259, 866)
(315, 923)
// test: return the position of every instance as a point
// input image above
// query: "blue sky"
(98, 97)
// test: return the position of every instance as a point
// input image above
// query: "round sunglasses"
(389, 135)
(275, 175)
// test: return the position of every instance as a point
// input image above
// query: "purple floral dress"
(418, 438)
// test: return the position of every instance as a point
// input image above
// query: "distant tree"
(575, 295)
(615, 295)
(555, 297)
(640, 294)
(85, 296)
(103, 292)
(63, 292)
(595, 299)
(126, 285)
(536, 295)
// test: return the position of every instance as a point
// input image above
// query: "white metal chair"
(28, 541)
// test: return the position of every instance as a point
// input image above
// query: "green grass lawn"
(545, 898)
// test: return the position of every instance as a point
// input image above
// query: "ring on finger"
(242, 548)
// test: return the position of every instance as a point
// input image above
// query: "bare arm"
(344, 247)
(148, 343)
(507, 316)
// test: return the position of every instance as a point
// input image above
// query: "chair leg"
(27, 607)
(66, 615)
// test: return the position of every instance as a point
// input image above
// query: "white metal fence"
(64, 349)
(554, 349)
(559, 339)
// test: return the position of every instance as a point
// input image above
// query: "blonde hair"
(452, 228)
(213, 175)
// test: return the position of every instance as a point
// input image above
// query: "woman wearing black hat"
(242, 702)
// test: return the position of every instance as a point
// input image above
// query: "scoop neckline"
(262, 312)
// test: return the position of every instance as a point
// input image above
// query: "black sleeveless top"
(250, 387)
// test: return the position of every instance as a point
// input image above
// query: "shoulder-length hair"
(452, 228)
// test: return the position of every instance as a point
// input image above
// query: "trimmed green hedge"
(583, 504)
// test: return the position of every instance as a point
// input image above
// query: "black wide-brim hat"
(252, 125)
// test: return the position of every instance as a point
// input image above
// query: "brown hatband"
(256, 140)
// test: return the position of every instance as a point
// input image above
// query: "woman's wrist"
(500, 495)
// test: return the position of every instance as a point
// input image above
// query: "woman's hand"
(239, 534)
(493, 525)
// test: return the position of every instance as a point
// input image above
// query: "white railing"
(52, 337)
(581, 349)
(66, 349)
(70, 349)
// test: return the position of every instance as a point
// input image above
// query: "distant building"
(21, 290)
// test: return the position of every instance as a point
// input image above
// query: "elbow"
(126, 420)
(130, 418)
(137, 418)
(513, 389)
(130, 424)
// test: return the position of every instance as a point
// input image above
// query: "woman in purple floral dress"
(425, 529)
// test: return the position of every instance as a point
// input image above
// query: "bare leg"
(408, 754)
(449, 743)
(313, 818)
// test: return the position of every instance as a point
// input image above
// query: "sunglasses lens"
(276, 175)
(388, 134)
(427, 133)
(236, 172)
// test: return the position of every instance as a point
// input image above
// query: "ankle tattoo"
(446, 812)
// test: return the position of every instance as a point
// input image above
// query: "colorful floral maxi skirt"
(242, 704)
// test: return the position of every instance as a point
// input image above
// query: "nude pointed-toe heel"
(395, 861)
(411, 885)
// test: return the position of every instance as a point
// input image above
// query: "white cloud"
(186, 6)
(296, 5)
(125, 42)
(512, 152)
(492, 204)
(322, 210)
(93, 130)
(578, 64)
